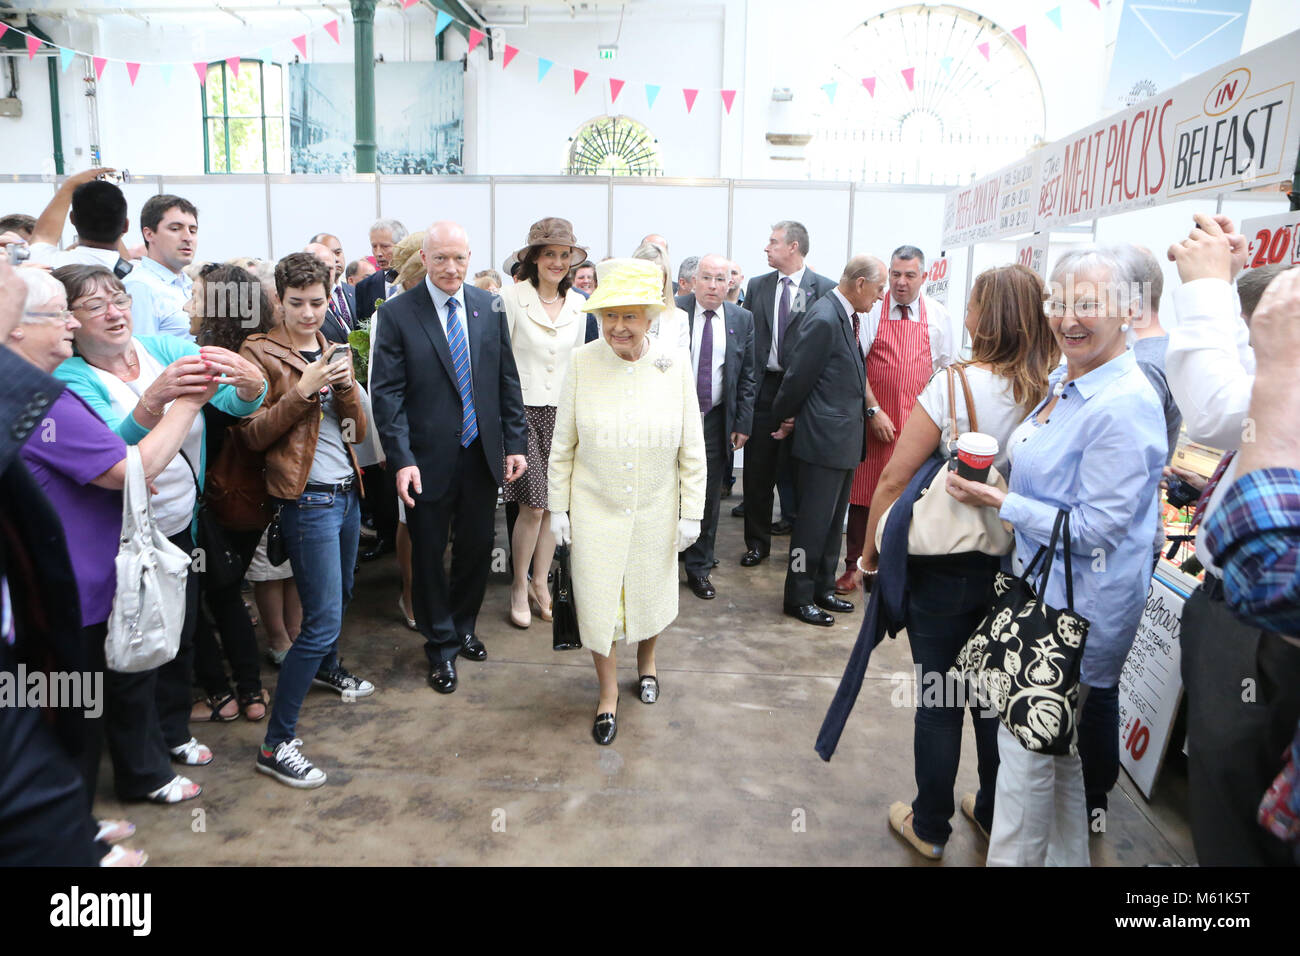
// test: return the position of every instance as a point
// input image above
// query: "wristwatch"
(872, 412)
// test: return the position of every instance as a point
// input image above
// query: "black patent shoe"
(648, 688)
(809, 614)
(472, 647)
(752, 558)
(829, 602)
(702, 587)
(442, 677)
(605, 729)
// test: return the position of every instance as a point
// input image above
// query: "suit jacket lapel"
(426, 313)
(475, 328)
(763, 307)
(846, 326)
(809, 289)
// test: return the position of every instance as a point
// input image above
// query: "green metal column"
(363, 18)
(56, 115)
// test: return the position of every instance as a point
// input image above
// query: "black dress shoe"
(809, 614)
(751, 558)
(738, 511)
(782, 527)
(702, 587)
(605, 729)
(715, 563)
(829, 602)
(380, 548)
(473, 648)
(442, 677)
(726, 491)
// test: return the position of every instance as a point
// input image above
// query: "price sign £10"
(1136, 738)
(1272, 240)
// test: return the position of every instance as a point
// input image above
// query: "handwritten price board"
(1032, 253)
(936, 281)
(1151, 686)
(1273, 240)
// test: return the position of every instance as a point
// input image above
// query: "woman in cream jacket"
(547, 320)
(626, 477)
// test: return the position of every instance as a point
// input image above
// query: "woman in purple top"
(81, 464)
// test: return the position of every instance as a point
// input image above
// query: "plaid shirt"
(1254, 536)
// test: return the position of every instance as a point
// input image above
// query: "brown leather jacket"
(287, 425)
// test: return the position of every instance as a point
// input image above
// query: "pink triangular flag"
(475, 38)
(100, 62)
(232, 64)
(1097, 4)
(1021, 36)
(33, 44)
(909, 77)
(870, 83)
(728, 97)
(984, 48)
(4, 28)
(579, 77)
(409, 3)
(690, 98)
(510, 55)
(301, 43)
(133, 70)
(332, 28)
(615, 88)
(202, 70)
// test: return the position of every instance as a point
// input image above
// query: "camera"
(1181, 493)
(17, 252)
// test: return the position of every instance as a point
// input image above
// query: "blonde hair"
(406, 259)
(652, 253)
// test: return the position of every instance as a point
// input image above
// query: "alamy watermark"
(73, 690)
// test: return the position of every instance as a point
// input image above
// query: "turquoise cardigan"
(83, 380)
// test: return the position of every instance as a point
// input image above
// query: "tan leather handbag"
(940, 523)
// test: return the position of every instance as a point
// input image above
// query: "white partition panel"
(418, 201)
(693, 218)
(232, 215)
(301, 208)
(885, 219)
(28, 198)
(823, 211)
(519, 205)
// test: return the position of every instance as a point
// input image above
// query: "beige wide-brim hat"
(622, 282)
(552, 231)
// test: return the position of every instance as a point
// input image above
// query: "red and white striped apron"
(898, 366)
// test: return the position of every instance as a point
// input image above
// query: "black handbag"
(1025, 657)
(222, 566)
(564, 613)
(276, 551)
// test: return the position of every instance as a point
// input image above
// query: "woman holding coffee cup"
(1012, 352)
(1095, 445)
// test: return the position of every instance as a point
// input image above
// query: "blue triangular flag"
(443, 21)
(166, 70)
(265, 55)
(651, 92)
(946, 63)
(830, 89)
(66, 56)
(543, 67)
(1055, 16)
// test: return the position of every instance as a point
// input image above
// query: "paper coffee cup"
(975, 454)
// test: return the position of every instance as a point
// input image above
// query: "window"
(614, 146)
(243, 118)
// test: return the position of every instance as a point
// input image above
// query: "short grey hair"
(1124, 284)
(908, 252)
(392, 226)
(863, 267)
(794, 232)
(41, 288)
(1144, 268)
(690, 265)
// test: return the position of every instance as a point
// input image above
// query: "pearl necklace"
(549, 301)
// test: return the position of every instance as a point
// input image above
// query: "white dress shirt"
(942, 350)
(47, 254)
(773, 364)
(158, 299)
(440, 306)
(719, 347)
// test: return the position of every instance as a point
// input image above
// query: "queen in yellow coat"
(626, 478)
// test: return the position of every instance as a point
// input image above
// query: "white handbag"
(144, 630)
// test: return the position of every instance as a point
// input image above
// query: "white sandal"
(192, 753)
(173, 791)
(114, 831)
(122, 857)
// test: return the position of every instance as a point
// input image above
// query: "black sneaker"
(349, 686)
(289, 766)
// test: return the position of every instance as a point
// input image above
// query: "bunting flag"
(946, 63)
(100, 62)
(33, 44)
(579, 77)
(728, 97)
(1054, 15)
(615, 88)
(301, 43)
(443, 21)
(1021, 35)
(475, 38)
(651, 94)
(332, 28)
(166, 70)
(984, 48)
(66, 57)
(830, 89)
(202, 70)
(407, 4)
(1097, 4)
(690, 98)
(543, 67)
(870, 83)
(232, 64)
(4, 28)
(909, 77)
(510, 55)
(133, 70)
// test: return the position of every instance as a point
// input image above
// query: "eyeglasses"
(1088, 309)
(98, 308)
(57, 317)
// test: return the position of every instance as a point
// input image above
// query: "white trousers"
(1040, 816)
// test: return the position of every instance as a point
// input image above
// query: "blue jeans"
(946, 602)
(321, 532)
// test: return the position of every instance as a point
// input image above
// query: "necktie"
(783, 314)
(459, 344)
(1203, 501)
(906, 310)
(704, 374)
(857, 332)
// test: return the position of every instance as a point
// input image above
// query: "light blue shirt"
(440, 306)
(1100, 456)
(158, 298)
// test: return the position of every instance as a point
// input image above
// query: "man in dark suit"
(722, 353)
(342, 306)
(779, 300)
(823, 399)
(448, 406)
(385, 234)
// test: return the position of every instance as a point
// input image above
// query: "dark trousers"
(946, 602)
(446, 607)
(1099, 745)
(787, 487)
(149, 713)
(1243, 700)
(717, 448)
(223, 611)
(381, 500)
(815, 541)
(764, 456)
(855, 535)
(729, 470)
(89, 748)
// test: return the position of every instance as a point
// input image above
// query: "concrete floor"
(721, 771)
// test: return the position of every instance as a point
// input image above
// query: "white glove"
(687, 531)
(560, 527)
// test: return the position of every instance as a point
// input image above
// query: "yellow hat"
(622, 282)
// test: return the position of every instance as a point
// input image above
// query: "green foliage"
(359, 339)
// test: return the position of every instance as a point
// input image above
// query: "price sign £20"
(1273, 240)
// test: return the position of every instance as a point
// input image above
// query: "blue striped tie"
(459, 344)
